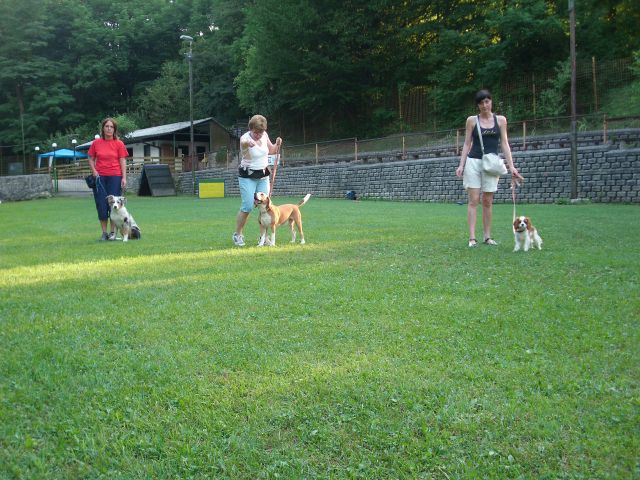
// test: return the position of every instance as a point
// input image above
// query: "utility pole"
(574, 133)
(194, 158)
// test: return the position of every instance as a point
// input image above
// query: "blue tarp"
(62, 153)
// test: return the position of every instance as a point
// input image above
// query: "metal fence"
(393, 147)
(443, 142)
(523, 95)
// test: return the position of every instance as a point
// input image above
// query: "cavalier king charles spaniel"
(525, 234)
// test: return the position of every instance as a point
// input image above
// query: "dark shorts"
(106, 186)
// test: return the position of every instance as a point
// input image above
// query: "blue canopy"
(62, 153)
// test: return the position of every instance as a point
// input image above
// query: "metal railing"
(443, 142)
(391, 148)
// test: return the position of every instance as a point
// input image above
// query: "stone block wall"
(606, 173)
(25, 187)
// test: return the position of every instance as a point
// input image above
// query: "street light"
(74, 142)
(37, 150)
(187, 38)
(55, 170)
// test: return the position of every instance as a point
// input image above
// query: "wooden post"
(593, 74)
(457, 142)
(316, 153)
(356, 149)
(574, 133)
(400, 104)
(403, 147)
(524, 135)
(604, 128)
(534, 94)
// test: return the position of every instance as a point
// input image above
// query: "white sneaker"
(238, 240)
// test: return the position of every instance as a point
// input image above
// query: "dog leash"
(99, 184)
(275, 170)
(513, 197)
(514, 183)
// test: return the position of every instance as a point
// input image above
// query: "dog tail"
(135, 232)
(304, 200)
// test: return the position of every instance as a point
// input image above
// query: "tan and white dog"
(271, 216)
(122, 219)
(525, 234)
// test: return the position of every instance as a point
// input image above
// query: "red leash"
(275, 170)
(514, 183)
(513, 196)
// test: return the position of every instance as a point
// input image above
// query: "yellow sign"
(211, 188)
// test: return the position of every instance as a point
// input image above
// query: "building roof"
(160, 130)
(154, 132)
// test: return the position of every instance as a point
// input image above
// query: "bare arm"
(92, 166)
(123, 169)
(274, 148)
(470, 125)
(506, 149)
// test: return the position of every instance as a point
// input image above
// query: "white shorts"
(473, 177)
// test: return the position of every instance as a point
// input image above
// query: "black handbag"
(91, 181)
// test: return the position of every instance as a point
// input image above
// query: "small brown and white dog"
(525, 234)
(271, 216)
(122, 219)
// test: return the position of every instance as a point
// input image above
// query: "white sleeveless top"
(256, 157)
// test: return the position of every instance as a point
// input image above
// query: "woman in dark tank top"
(479, 185)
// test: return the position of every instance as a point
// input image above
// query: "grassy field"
(384, 348)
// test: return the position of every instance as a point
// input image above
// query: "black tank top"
(490, 138)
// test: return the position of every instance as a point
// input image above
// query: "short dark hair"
(482, 94)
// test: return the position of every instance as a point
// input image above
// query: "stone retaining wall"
(604, 175)
(25, 187)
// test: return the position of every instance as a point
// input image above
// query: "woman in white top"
(253, 174)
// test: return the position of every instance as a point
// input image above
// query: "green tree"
(166, 100)
(330, 61)
(26, 68)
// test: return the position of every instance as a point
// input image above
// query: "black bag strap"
(479, 133)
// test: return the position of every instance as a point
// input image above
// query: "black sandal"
(490, 241)
(473, 243)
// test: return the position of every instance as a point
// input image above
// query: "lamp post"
(55, 170)
(37, 150)
(189, 39)
(74, 142)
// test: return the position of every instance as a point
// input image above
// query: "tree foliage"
(316, 68)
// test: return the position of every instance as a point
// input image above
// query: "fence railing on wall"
(391, 148)
(440, 143)
(176, 165)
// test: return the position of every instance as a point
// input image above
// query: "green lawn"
(384, 348)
